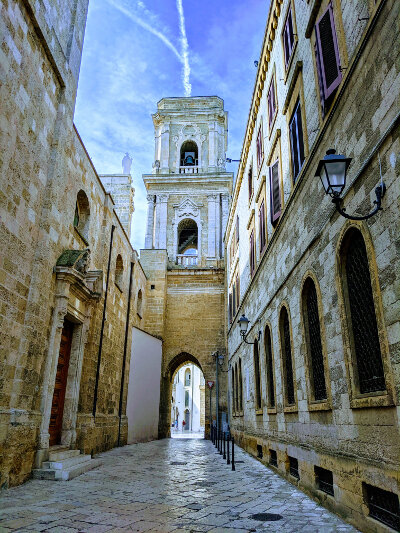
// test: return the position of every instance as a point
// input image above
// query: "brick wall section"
(341, 439)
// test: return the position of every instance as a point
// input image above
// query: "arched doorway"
(183, 387)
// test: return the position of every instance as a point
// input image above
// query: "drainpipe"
(96, 386)
(121, 393)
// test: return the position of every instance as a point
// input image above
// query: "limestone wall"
(358, 442)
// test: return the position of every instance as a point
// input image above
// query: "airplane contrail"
(185, 50)
(149, 28)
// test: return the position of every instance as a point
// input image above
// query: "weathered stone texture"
(356, 444)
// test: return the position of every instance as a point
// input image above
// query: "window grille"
(364, 327)
(296, 140)
(259, 451)
(257, 375)
(287, 356)
(240, 386)
(324, 480)
(294, 467)
(313, 328)
(275, 192)
(273, 458)
(383, 506)
(270, 370)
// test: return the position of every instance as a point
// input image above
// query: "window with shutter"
(233, 301)
(250, 182)
(269, 367)
(237, 228)
(286, 347)
(240, 386)
(328, 52)
(257, 378)
(296, 140)
(271, 102)
(275, 192)
(261, 218)
(252, 254)
(233, 390)
(288, 37)
(230, 308)
(237, 291)
(260, 147)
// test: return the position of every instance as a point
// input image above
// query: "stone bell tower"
(188, 195)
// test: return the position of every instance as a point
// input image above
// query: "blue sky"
(139, 51)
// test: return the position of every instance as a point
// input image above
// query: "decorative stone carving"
(77, 259)
(187, 208)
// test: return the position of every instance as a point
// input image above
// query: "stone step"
(60, 455)
(68, 473)
(63, 464)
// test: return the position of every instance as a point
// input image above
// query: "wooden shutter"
(328, 51)
(261, 217)
(288, 37)
(252, 254)
(271, 102)
(233, 300)
(250, 178)
(275, 192)
(260, 151)
(296, 141)
(237, 228)
(320, 83)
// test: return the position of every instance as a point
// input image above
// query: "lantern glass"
(336, 175)
(243, 324)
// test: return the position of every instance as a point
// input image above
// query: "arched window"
(236, 388)
(139, 303)
(82, 214)
(189, 154)
(269, 365)
(312, 328)
(119, 271)
(257, 378)
(286, 348)
(187, 377)
(187, 237)
(240, 386)
(233, 390)
(362, 323)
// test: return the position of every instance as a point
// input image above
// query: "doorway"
(60, 385)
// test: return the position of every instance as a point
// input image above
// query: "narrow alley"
(167, 485)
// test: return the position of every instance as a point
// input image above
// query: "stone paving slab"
(139, 489)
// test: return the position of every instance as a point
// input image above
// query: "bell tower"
(189, 188)
(188, 194)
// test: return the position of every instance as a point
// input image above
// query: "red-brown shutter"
(328, 51)
(288, 37)
(275, 192)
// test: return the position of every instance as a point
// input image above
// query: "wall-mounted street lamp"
(332, 170)
(243, 325)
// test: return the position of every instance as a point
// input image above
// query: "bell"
(189, 160)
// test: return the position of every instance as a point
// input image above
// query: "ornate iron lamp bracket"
(380, 193)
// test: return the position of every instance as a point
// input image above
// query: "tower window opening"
(187, 242)
(189, 154)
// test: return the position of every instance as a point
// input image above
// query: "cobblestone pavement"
(168, 485)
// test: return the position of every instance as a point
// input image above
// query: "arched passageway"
(188, 402)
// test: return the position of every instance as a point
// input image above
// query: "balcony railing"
(186, 260)
(188, 170)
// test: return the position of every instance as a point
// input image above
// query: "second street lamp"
(243, 325)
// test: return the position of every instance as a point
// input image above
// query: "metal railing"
(186, 260)
(225, 445)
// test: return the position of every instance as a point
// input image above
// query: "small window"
(361, 314)
(234, 300)
(286, 347)
(257, 378)
(236, 388)
(250, 182)
(275, 193)
(230, 308)
(294, 467)
(186, 398)
(288, 37)
(313, 341)
(270, 368)
(237, 283)
(187, 378)
(273, 458)
(119, 271)
(328, 59)
(383, 506)
(259, 451)
(82, 214)
(296, 140)
(260, 147)
(233, 390)
(271, 102)
(252, 254)
(237, 228)
(324, 479)
(139, 303)
(263, 230)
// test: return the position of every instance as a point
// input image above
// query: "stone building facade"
(316, 396)
(64, 362)
(188, 202)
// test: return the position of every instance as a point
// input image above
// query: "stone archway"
(164, 428)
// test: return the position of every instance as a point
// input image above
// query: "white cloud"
(185, 50)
